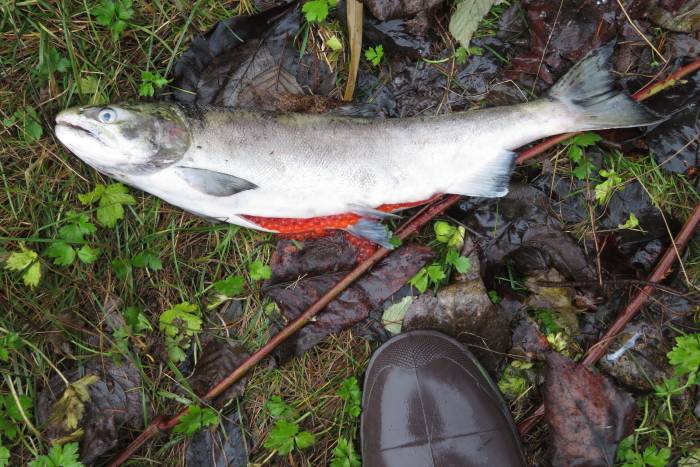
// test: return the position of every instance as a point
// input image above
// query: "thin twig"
(426, 214)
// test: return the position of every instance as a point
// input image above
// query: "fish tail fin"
(587, 90)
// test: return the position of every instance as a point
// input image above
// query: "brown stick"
(410, 227)
(597, 350)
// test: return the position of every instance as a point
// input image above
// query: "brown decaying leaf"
(113, 400)
(67, 412)
(587, 415)
(212, 448)
(218, 358)
(300, 276)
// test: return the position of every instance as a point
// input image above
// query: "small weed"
(286, 435)
(583, 168)
(195, 419)
(150, 81)
(631, 223)
(344, 455)
(59, 456)
(650, 457)
(179, 324)
(605, 189)
(375, 54)
(11, 419)
(29, 123)
(316, 11)
(350, 393)
(258, 271)
(25, 261)
(111, 200)
(114, 15)
(461, 53)
(449, 240)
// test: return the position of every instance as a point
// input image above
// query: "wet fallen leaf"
(218, 358)
(114, 401)
(220, 446)
(392, 318)
(466, 18)
(302, 274)
(587, 415)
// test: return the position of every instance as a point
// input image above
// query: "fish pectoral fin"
(366, 211)
(373, 231)
(212, 182)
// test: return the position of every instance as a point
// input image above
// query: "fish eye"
(107, 115)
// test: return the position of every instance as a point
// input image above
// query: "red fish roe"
(300, 229)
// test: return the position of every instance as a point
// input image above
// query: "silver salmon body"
(229, 164)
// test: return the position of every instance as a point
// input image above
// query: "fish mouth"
(77, 128)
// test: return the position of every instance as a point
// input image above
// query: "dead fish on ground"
(293, 173)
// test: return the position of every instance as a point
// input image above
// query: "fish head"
(125, 139)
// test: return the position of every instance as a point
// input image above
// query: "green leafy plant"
(73, 231)
(150, 81)
(195, 419)
(316, 11)
(350, 393)
(9, 342)
(4, 456)
(226, 289)
(136, 320)
(650, 457)
(25, 261)
(179, 324)
(11, 416)
(286, 435)
(114, 15)
(375, 54)
(147, 259)
(59, 456)
(449, 240)
(605, 189)
(461, 54)
(121, 268)
(344, 455)
(110, 201)
(685, 359)
(28, 122)
(583, 167)
(51, 61)
(631, 223)
(259, 271)
(514, 382)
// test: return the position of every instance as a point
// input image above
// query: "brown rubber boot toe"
(428, 402)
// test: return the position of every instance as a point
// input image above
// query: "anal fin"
(373, 231)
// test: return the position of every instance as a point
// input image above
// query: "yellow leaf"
(67, 412)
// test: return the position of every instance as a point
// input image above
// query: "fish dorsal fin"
(214, 183)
